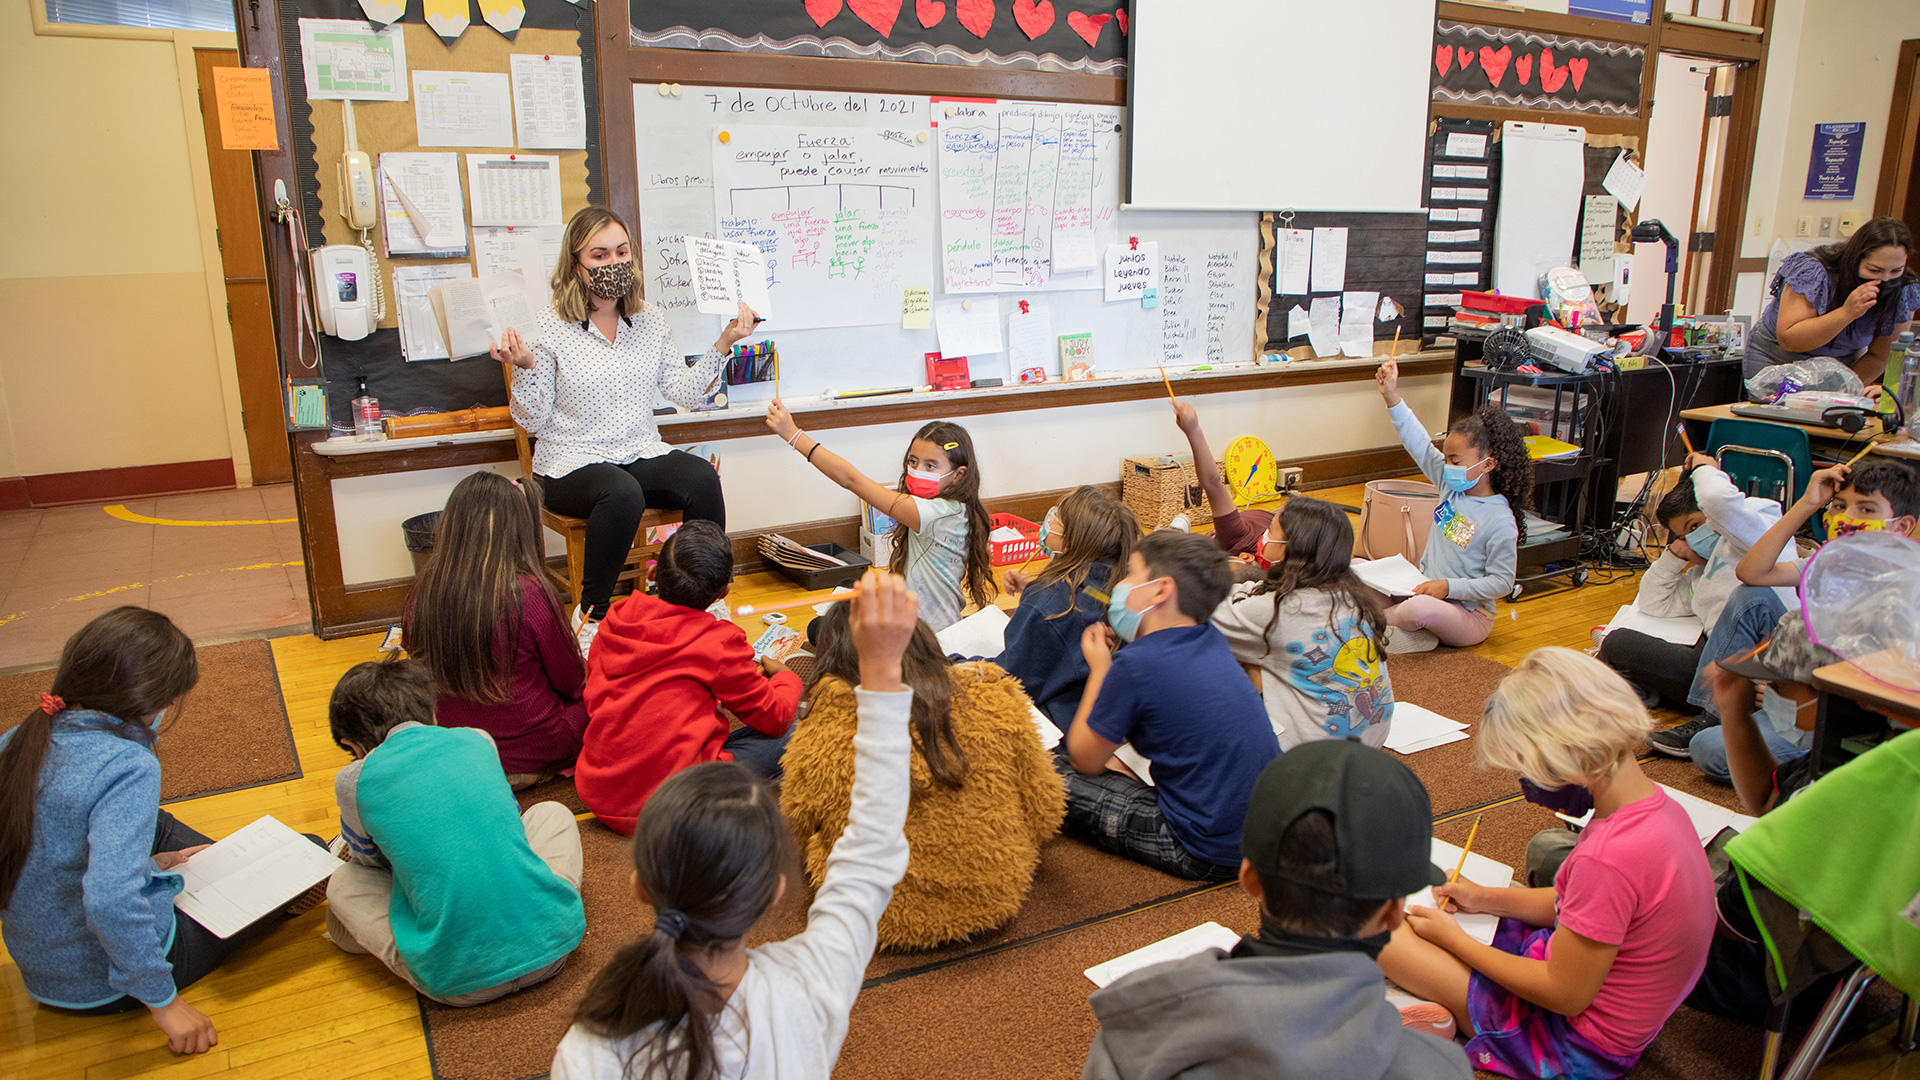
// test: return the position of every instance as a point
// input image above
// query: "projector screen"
(1279, 104)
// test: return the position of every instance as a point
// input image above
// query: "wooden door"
(249, 301)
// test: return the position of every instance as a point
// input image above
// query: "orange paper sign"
(244, 98)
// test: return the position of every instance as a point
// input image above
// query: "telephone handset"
(360, 206)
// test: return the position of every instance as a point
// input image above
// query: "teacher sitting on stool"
(1844, 301)
(586, 389)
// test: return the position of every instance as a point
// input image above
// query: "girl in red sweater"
(484, 621)
(661, 669)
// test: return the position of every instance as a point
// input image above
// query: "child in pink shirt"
(1580, 977)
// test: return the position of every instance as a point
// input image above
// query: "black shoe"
(1674, 741)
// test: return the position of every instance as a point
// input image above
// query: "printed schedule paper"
(462, 108)
(241, 879)
(514, 189)
(548, 102)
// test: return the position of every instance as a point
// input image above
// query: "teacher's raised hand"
(512, 349)
(737, 329)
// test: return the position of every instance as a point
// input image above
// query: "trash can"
(419, 531)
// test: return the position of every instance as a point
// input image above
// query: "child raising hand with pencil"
(1581, 976)
(940, 545)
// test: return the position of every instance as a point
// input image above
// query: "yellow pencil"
(1863, 451)
(1471, 833)
(1395, 347)
(1169, 384)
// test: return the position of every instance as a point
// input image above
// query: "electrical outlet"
(1290, 476)
(1804, 227)
(1826, 226)
(1759, 223)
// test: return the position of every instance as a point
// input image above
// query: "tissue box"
(877, 550)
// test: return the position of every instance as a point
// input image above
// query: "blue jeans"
(1747, 620)
(1709, 749)
(758, 751)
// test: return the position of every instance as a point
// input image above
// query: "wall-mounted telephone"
(360, 206)
(360, 200)
(343, 275)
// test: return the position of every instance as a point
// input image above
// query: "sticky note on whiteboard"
(916, 308)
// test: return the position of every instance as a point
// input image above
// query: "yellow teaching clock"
(1252, 474)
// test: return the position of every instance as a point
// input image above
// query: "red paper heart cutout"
(1577, 67)
(1495, 63)
(1551, 78)
(1466, 57)
(1088, 26)
(1033, 18)
(822, 11)
(1442, 56)
(879, 14)
(975, 15)
(1120, 17)
(1523, 67)
(930, 12)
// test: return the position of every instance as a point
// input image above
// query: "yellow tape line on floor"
(5, 619)
(124, 514)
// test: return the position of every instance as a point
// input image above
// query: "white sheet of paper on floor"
(1415, 729)
(1208, 935)
(1481, 871)
(1708, 819)
(983, 633)
(1133, 759)
(242, 878)
(1683, 631)
(1393, 575)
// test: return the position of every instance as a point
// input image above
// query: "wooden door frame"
(1903, 135)
(200, 181)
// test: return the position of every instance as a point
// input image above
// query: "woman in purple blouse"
(1845, 301)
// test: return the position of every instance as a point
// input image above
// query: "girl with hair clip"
(689, 1000)
(88, 859)
(940, 545)
(1846, 301)
(1581, 975)
(984, 795)
(1314, 631)
(487, 625)
(1473, 548)
(1086, 537)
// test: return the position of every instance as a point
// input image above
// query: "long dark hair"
(1098, 528)
(924, 668)
(1843, 260)
(128, 664)
(1497, 436)
(953, 440)
(466, 615)
(711, 845)
(1319, 555)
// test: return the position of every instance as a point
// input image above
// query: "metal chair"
(1765, 460)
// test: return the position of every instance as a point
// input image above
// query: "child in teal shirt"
(448, 883)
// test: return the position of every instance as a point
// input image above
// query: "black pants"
(1657, 664)
(196, 950)
(612, 497)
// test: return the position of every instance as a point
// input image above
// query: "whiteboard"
(1279, 104)
(1205, 316)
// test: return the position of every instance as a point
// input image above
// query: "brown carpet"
(1456, 685)
(231, 731)
(1683, 776)
(560, 789)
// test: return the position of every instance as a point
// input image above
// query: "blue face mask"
(1702, 539)
(1455, 476)
(1124, 620)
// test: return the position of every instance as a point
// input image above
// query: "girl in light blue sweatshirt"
(87, 856)
(1486, 484)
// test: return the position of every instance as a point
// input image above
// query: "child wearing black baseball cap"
(1337, 835)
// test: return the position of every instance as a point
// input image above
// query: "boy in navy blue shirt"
(1178, 697)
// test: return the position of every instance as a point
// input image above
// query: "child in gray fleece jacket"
(1336, 837)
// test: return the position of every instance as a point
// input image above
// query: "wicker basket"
(1158, 488)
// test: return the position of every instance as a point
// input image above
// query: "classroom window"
(149, 14)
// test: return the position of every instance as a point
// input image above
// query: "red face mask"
(925, 485)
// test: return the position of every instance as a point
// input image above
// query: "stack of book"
(781, 551)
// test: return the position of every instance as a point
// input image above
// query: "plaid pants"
(1122, 815)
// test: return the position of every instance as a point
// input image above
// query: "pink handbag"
(1395, 517)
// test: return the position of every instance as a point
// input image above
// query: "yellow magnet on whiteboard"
(448, 18)
(662, 88)
(725, 137)
(922, 137)
(950, 110)
(504, 15)
(966, 305)
(676, 89)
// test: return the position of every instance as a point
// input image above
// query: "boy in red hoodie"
(659, 671)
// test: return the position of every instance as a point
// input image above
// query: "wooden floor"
(295, 1006)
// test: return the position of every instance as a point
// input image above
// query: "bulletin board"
(1386, 253)
(551, 27)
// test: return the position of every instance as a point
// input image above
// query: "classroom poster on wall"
(1021, 35)
(1516, 69)
(1834, 167)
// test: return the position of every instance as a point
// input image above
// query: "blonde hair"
(1560, 718)
(569, 292)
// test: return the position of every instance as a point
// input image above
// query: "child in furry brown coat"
(985, 792)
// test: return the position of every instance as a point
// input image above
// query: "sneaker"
(1674, 741)
(1599, 635)
(1410, 641)
(1181, 523)
(1434, 1019)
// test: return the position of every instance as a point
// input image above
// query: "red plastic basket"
(1013, 552)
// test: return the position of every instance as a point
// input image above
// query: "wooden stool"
(574, 530)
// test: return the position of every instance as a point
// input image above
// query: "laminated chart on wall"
(1028, 194)
(843, 216)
